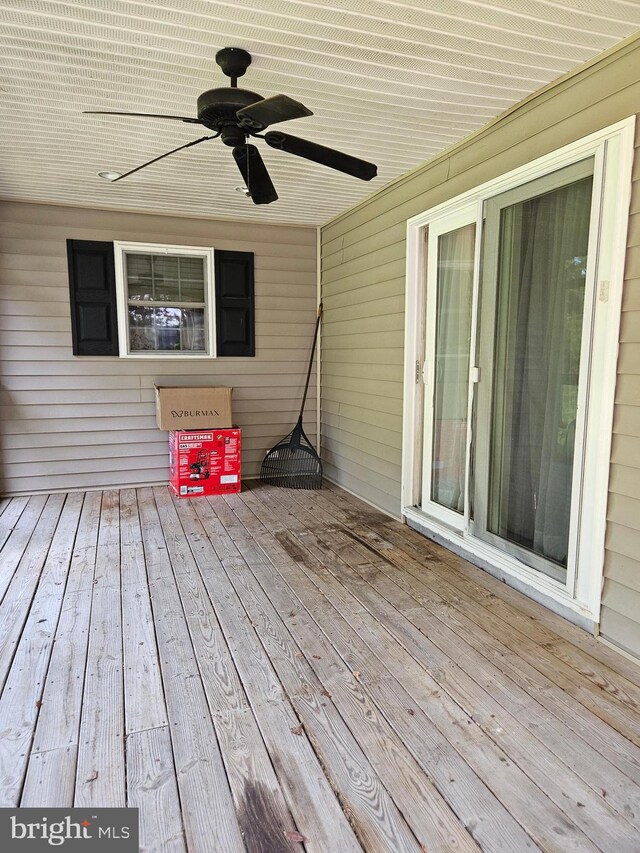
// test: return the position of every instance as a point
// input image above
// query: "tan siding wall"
(71, 422)
(363, 270)
(620, 617)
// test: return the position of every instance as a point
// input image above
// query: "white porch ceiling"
(391, 82)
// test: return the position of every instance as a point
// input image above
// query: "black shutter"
(92, 286)
(235, 304)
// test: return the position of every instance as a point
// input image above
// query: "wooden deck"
(252, 670)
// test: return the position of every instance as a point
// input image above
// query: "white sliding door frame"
(437, 228)
(612, 148)
(557, 179)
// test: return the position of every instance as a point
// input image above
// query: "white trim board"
(613, 149)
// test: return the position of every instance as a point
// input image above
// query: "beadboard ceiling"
(391, 82)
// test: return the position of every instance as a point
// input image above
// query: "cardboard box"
(204, 462)
(193, 408)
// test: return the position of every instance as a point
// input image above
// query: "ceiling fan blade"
(254, 172)
(320, 154)
(162, 156)
(270, 111)
(142, 115)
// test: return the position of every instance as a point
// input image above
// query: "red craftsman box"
(204, 462)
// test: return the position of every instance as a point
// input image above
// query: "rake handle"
(313, 352)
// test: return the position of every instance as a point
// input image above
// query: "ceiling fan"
(236, 114)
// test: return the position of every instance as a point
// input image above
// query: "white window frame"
(612, 147)
(121, 249)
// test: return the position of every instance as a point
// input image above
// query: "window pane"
(166, 329)
(172, 282)
(193, 332)
(141, 328)
(192, 280)
(165, 267)
(190, 292)
(167, 290)
(167, 323)
(192, 268)
(139, 277)
(165, 278)
(453, 337)
(540, 300)
(139, 266)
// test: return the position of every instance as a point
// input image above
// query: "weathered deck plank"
(460, 603)
(208, 813)
(377, 821)
(297, 769)
(100, 774)
(152, 788)
(11, 510)
(515, 608)
(263, 814)
(253, 669)
(593, 816)
(51, 772)
(286, 630)
(17, 536)
(20, 572)
(461, 662)
(144, 695)
(462, 628)
(22, 696)
(471, 798)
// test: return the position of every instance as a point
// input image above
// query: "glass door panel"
(449, 308)
(451, 386)
(531, 331)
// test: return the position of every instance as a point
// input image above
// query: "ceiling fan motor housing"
(217, 108)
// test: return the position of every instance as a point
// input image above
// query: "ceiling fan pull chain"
(248, 167)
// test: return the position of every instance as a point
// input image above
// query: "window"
(165, 300)
(153, 301)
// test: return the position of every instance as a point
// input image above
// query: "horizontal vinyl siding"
(620, 617)
(363, 286)
(83, 422)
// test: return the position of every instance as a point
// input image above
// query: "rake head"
(293, 463)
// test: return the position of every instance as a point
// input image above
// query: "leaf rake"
(293, 463)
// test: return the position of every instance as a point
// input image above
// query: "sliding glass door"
(512, 325)
(531, 331)
(511, 477)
